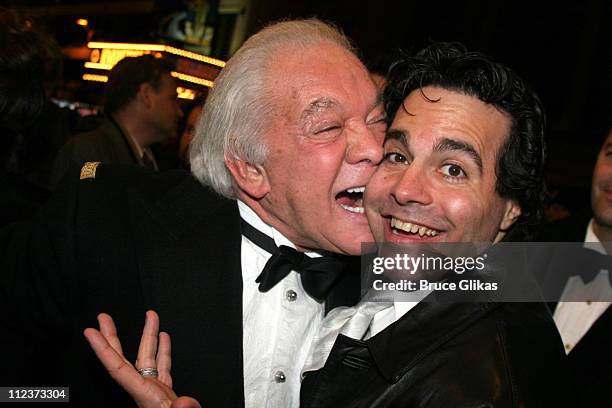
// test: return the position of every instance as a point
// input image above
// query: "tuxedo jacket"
(591, 359)
(448, 355)
(122, 243)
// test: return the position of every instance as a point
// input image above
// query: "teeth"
(412, 228)
(356, 190)
(358, 210)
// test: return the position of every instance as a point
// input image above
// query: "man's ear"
(250, 178)
(145, 94)
(511, 214)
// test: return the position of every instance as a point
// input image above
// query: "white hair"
(236, 109)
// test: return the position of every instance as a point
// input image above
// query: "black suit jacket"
(591, 359)
(123, 243)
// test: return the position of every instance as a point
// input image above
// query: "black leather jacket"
(449, 355)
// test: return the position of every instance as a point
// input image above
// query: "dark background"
(562, 50)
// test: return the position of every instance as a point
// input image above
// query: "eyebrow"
(399, 135)
(443, 145)
(317, 106)
(446, 144)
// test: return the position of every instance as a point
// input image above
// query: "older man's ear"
(250, 178)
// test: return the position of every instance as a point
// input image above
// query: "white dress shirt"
(374, 313)
(574, 319)
(385, 318)
(278, 325)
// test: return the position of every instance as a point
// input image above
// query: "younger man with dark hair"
(463, 162)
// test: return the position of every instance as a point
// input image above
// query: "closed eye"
(377, 121)
(327, 129)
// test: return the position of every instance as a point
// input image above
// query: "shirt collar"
(590, 237)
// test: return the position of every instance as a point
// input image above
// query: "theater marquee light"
(181, 92)
(192, 79)
(95, 78)
(191, 67)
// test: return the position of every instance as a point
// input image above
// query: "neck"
(132, 123)
(271, 220)
(604, 234)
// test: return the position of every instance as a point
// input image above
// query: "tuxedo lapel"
(190, 272)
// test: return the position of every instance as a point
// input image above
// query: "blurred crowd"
(141, 123)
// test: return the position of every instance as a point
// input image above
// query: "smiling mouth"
(400, 227)
(351, 199)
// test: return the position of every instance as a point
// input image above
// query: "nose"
(411, 186)
(364, 146)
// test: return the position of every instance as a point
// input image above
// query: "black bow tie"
(318, 275)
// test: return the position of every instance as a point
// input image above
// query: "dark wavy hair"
(521, 159)
(126, 77)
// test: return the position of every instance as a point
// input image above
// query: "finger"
(185, 402)
(164, 359)
(117, 366)
(109, 331)
(147, 350)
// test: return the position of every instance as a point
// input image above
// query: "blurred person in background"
(188, 133)
(586, 326)
(34, 128)
(24, 66)
(26, 58)
(140, 107)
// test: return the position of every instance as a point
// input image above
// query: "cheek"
(603, 174)
(463, 211)
(324, 167)
(377, 189)
(456, 206)
(329, 158)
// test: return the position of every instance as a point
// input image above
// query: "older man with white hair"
(291, 133)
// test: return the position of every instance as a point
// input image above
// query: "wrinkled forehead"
(432, 114)
(325, 76)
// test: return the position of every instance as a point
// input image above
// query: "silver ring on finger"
(148, 372)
